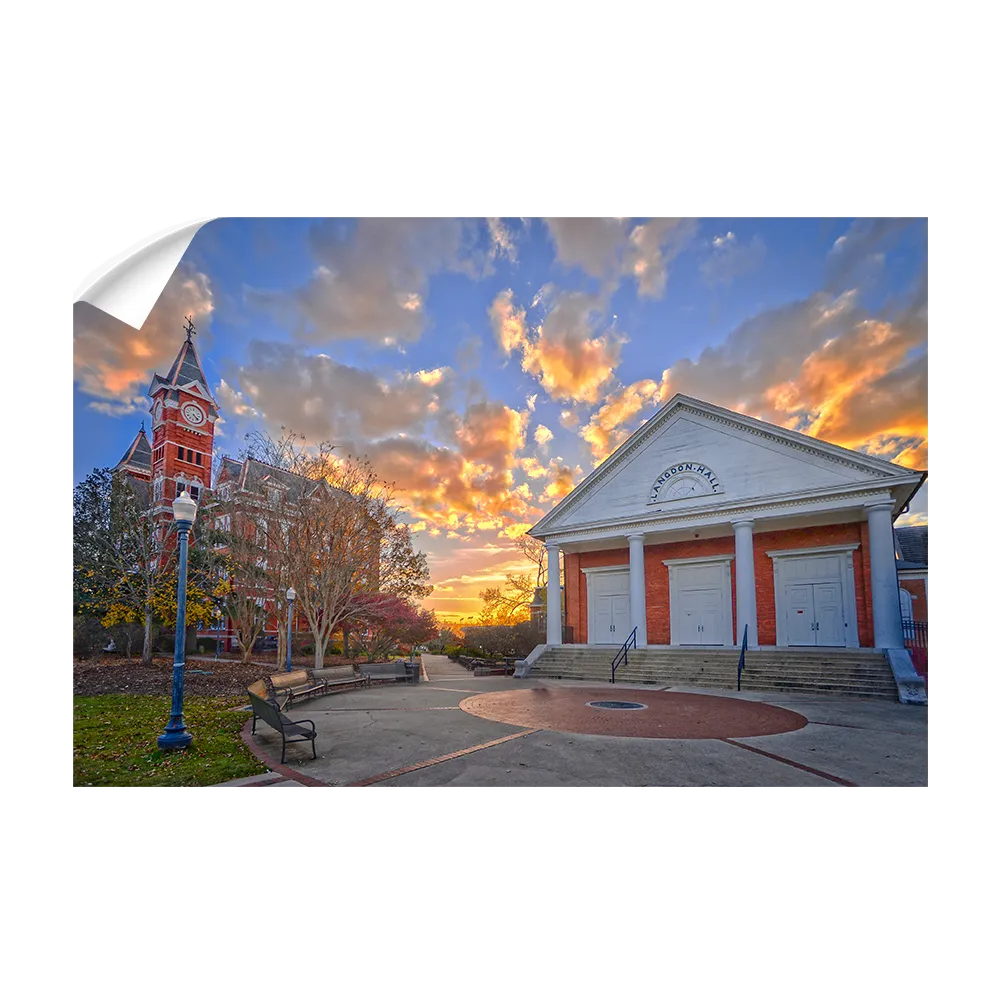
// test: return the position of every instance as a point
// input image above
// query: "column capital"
(635, 534)
(552, 546)
(741, 521)
(874, 505)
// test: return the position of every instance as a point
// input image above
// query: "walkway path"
(440, 668)
(458, 729)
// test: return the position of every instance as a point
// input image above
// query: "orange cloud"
(508, 322)
(605, 431)
(492, 433)
(114, 362)
(564, 354)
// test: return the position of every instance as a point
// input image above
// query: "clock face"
(158, 412)
(193, 414)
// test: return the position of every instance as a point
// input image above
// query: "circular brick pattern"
(669, 715)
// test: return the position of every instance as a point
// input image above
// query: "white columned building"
(886, 615)
(746, 587)
(553, 626)
(649, 538)
(637, 586)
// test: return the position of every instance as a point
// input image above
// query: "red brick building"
(707, 524)
(184, 413)
(180, 456)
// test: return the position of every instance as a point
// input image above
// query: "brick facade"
(658, 577)
(918, 588)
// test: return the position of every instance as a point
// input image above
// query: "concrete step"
(865, 674)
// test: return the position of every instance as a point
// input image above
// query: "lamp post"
(176, 736)
(290, 594)
(217, 614)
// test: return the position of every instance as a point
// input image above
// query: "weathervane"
(189, 329)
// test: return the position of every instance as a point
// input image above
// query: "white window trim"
(603, 569)
(727, 597)
(598, 571)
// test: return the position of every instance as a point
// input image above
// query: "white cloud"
(610, 249)
(371, 282)
(729, 259)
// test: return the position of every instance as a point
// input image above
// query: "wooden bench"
(267, 711)
(295, 684)
(340, 678)
(387, 671)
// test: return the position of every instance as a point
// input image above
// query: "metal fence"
(914, 634)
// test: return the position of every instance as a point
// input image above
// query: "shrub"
(128, 638)
(88, 636)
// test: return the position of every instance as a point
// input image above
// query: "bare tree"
(535, 552)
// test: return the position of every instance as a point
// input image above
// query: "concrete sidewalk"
(421, 735)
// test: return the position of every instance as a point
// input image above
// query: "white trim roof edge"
(680, 401)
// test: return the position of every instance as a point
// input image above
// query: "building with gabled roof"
(184, 414)
(707, 525)
(180, 457)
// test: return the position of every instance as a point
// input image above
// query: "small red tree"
(382, 622)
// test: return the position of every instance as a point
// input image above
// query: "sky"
(486, 366)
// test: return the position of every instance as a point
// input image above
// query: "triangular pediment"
(693, 456)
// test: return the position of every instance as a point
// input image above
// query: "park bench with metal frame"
(267, 711)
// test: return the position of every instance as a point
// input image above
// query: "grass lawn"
(114, 741)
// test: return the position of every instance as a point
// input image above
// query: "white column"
(746, 587)
(885, 588)
(553, 624)
(637, 587)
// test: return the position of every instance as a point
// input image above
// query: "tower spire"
(189, 329)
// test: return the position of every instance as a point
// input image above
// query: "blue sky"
(488, 365)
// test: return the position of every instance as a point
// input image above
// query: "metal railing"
(621, 657)
(914, 634)
(743, 659)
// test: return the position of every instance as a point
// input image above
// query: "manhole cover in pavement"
(619, 705)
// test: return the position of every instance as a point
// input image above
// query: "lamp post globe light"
(290, 594)
(176, 736)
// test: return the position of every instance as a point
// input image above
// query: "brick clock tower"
(184, 414)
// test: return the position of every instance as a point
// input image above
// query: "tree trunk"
(147, 638)
(347, 643)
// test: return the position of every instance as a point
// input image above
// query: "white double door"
(699, 621)
(611, 622)
(815, 614)
(609, 605)
(701, 603)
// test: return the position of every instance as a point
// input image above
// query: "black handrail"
(622, 653)
(743, 657)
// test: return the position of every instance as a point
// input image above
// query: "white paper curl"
(129, 287)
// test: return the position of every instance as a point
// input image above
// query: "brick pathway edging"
(273, 765)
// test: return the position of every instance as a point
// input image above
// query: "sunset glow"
(487, 366)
